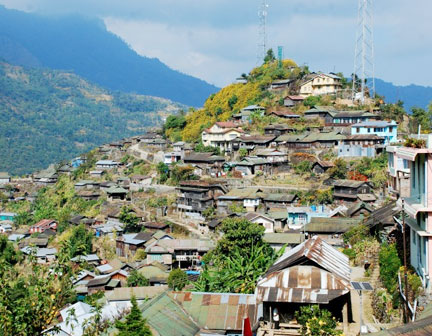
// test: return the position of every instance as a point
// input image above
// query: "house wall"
(388, 132)
(348, 150)
(4, 180)
(268, 225)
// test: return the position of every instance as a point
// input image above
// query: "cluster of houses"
(311, 270)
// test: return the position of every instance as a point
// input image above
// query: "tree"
(421, 118)
(131, 221)
(182, 173)
(340, 169)
(136, 279)
(242, 152)
(316, 321)
(269, 57)
(312, 101)
(393, 111)
(200, 148)
(239, 258)
(135, 324)
(303, 167)
(241, 233)
(236, 272)
(31, 295)
(232, 101)
(389, 267)
(80, 242)
(8, 254)
(177, 279)
(175, 122)
(163, 171)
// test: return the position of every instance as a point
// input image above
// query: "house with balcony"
(181, 253)
(385, 129)
(325, 113)
(278, 129)
(249, 198)
(320, 84)
(246, 113)
(418, 207)
(251, 142)
(221, 135)
(196, 196)
(399, 173)
(351, 191)
(346, 118)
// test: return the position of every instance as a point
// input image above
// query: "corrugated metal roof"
(317, 252)
(217, 311)
(348, 183)
(283, 238)
(301, 284)
(167, 317)
(421, 327)
(126, 293)
(331, 224)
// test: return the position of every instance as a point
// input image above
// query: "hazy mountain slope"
(86, 47)
(47, 116)
(411, 95)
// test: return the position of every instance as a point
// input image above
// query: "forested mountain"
(47, 116)
(86, 47)
(412, 95)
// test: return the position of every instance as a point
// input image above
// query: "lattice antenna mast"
(364, 66)
(262, 44)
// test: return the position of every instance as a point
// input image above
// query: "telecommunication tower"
(262, 44)
(364, 66)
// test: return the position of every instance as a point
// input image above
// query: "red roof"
(44, 222)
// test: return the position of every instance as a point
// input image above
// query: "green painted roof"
(166, 316)
(331, 224)
(154, 271)
(291, 137)
(284, 238)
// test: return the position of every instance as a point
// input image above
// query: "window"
(369, 130)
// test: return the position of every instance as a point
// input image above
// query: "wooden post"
(345, 317)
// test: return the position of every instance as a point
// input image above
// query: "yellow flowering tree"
(316, 321)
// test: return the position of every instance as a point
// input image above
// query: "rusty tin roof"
(301, 284)
(217, 311)
(315, 252)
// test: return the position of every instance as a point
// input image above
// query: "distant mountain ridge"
(412, 95)
(48, 116)
(85, 46)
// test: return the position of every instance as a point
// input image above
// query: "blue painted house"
(78, 161)
(7, 216)
(385, 129)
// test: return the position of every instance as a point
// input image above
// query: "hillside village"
(280, 178)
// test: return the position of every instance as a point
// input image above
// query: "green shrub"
(316, 321)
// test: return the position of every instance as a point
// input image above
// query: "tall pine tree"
(135, 324)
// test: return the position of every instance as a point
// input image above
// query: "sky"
(217, 40)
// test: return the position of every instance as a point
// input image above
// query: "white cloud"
(217, 55)
(217, 39)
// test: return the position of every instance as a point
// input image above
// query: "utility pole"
(407, 318)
